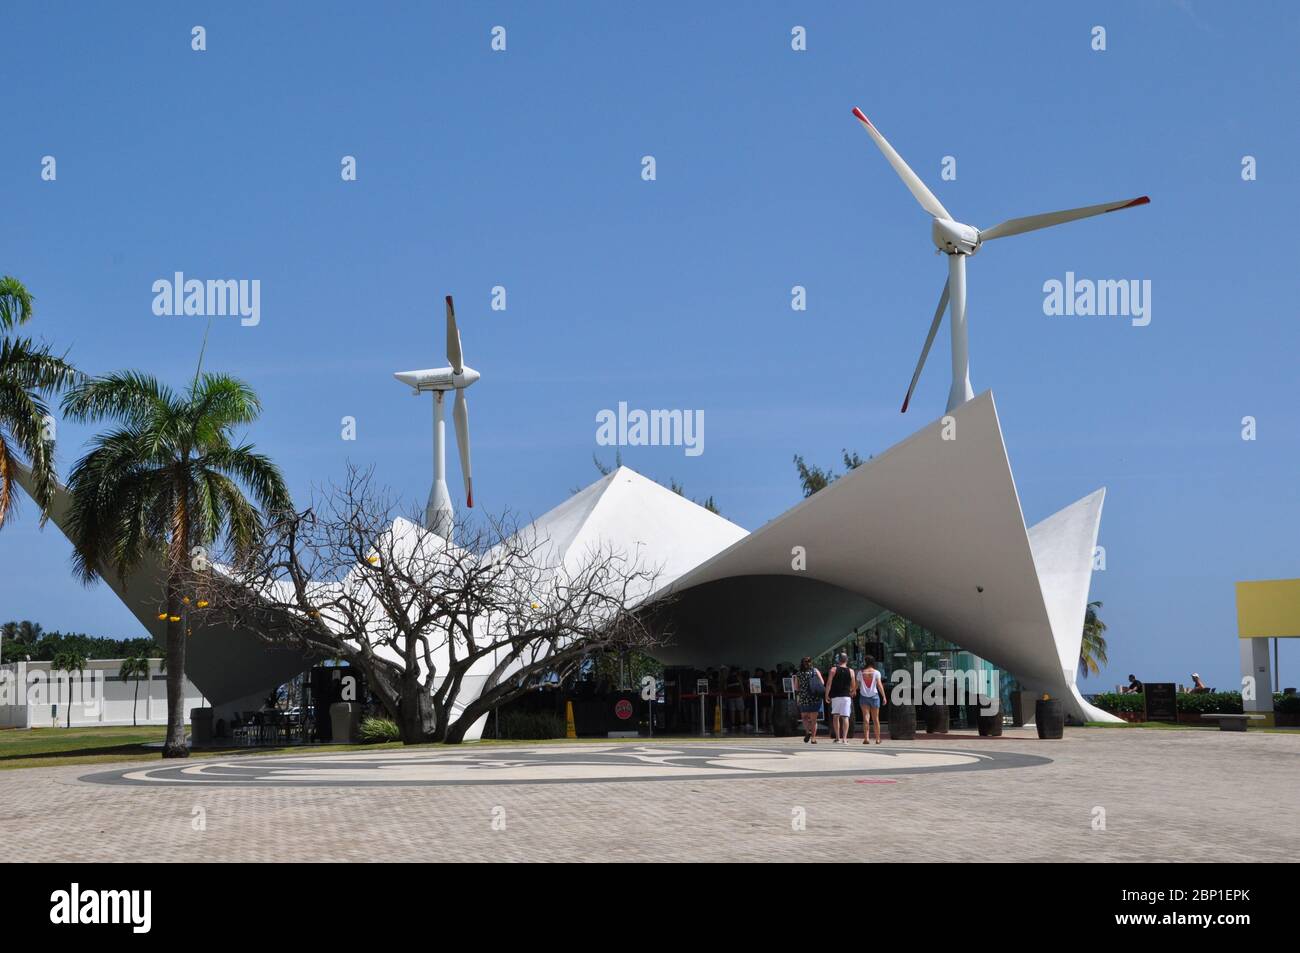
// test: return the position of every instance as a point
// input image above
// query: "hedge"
(1204, 703)
(526, 726)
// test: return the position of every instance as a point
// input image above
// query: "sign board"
(623, 709)
(788, 684)
(755, 686)
(701, 686)
(1161, 701)
(1268, 608)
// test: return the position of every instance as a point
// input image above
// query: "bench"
(1234, 722)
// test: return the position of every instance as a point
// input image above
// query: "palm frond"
(15, 303)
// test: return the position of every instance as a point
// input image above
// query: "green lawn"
(43, 747)
(49, 747)
(1166, 726)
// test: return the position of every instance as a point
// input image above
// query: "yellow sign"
(1268, 608)
(570, 728)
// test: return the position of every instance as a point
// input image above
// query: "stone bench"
(1233, 722)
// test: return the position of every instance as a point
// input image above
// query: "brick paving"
(1167, 796)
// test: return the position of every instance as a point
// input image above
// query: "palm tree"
(167, 480)
(69, 660)
(135, 667)
(19, 638)
(1092, 650)
(29, 374)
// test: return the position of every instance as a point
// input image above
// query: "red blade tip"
(1144, 200)
(858, 112)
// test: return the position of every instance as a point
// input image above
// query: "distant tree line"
(27, 641)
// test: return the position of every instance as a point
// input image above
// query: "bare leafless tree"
(443, 633)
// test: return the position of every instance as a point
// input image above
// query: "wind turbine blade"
(929, 340)
(1029, 223)
(461, 415)
(910, 178)
(453, 340)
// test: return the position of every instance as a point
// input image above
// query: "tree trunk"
(178, 552)
(455, 733)
(174, 746)
(135, 705)
(417, 723)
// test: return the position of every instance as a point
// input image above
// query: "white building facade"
(34, 696)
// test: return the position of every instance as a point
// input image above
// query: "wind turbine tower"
(439, 516)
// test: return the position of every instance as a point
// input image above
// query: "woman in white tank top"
(871, 695)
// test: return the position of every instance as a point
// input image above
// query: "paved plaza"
(1162, 795)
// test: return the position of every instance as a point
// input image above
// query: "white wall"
(98, 696)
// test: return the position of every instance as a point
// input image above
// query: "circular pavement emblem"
(565, 764)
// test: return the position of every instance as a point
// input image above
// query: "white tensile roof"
(657, 529)
(931, 529)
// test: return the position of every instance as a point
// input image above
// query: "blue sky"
(523, 169)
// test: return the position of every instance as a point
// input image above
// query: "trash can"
(902, 722)
(990, 725)
(936, 719)
(785, 715)
(345, 723)
(1049, 718)
(200, 727)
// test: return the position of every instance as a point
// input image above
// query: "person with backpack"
(809, 687)
(871, 695)
(839, 694)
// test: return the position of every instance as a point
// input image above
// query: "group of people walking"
(837, 691)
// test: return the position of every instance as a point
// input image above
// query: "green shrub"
(1206, 703)
(526, 725)
(377, 730)
(1115, 702)
(1210, 703)
(1287, 704)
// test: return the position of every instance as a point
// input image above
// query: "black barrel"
(1049, 716)
(902, 722)
(936, 719)
(990, 725)
(784, 717)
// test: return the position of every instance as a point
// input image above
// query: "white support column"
(1255, 664)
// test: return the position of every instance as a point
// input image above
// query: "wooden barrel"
(936, 719)
(784, 717)
(990, 725)
(902, 722)
(1049, 716)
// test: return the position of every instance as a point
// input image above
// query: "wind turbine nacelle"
(438, 379)
(954, 238)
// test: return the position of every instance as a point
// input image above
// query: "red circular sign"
(623, 709)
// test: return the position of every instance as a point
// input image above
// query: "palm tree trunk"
(174, 745)
(135, 703)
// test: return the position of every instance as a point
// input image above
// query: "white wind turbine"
(958, 241)
(438, 513)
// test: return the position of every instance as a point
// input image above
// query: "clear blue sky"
(523, 168)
